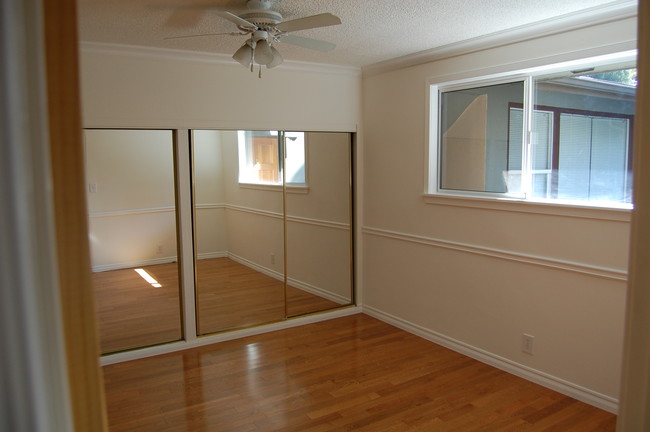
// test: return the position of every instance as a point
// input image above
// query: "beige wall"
(477, 278)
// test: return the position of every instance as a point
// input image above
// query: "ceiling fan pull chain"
(252, 56)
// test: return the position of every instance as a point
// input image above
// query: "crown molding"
(573, 21)
(205, 57)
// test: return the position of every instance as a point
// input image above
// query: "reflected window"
(260, 156)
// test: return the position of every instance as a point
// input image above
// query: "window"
(565, 136)
(260, 156)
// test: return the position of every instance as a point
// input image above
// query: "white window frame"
(434, 194)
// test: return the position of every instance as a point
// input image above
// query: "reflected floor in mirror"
(232, 295)
(350, 373)
(132, 312)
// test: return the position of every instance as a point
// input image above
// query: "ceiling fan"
(265, 28)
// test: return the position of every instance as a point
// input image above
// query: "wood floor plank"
(351, 373)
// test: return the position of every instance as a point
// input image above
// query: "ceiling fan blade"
(314, 21)
(204, 34)
(314, 44)
(235, 19)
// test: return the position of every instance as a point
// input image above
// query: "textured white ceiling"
(372, 30)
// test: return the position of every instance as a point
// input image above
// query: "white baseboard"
(312, 289)
(132, 264)
(154, 261)
(320, 292)
(250, 264)
(570, 389)
(210, 255)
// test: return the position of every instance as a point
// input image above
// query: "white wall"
(209, 194)
(477, 278)
(150, 88)
(131, 205)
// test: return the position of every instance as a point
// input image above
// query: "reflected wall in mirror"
(238, 230)
(133, 240)
(318, 228)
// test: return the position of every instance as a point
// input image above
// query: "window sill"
(572, 209)
(303, 189)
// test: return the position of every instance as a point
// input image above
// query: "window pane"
(575, 149)
(259, 157)
(609, 159)
(475, 128)
(591, 150)
(295, 157)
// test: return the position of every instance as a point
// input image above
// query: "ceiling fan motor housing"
(262, 18)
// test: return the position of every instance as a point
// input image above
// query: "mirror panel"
(238, 229)
(133, 240)
(318, 223)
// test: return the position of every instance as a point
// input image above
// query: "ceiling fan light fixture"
(263, 53)
(277, 59)
(244, 55)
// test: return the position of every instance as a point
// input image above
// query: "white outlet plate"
(527, 343)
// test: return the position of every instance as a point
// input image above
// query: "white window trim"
(547, 207)
(433, 194)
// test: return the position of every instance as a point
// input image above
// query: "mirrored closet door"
(271, 224)
(262, 197)
(239, 245)
(133, 238)
(318, 222)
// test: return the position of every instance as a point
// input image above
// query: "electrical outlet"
(527, 343)
(92, 187)
(272, 258)
(159, 249)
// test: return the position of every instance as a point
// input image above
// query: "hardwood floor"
(132, 313)
(232, 295)
(351, 373)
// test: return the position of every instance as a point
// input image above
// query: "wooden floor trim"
(559, 385)
(226, 336)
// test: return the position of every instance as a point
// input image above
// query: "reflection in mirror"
(238, 229)
(318, 228)
(133, 241)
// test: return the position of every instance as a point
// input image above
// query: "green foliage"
(624, 76)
